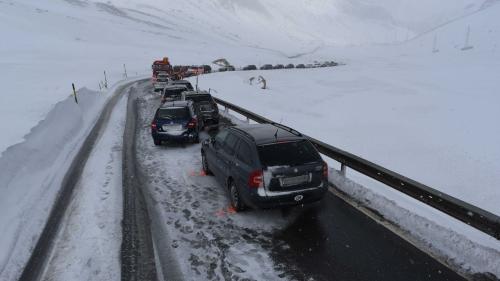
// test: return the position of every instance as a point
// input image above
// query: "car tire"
(235, 198)
(157, 141)
(204, 164)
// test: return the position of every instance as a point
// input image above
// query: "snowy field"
(47, 45)
(431, 122)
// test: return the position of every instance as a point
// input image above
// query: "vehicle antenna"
(276, 133)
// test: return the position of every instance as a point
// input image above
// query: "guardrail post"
(105, 80)
(343, 169)
(74, 92)
(248, 120)
(226, 110)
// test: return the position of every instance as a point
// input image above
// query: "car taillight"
(325, 170)
(153, 126)
(192, 123)
(256, 179)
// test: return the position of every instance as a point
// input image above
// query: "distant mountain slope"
(280, 23)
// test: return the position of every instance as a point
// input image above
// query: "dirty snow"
(209, 239)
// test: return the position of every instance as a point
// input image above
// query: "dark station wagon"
(265, 166)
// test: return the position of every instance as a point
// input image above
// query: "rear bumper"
(258, 200)
(159, 87)
(210, 120)
(186, 136)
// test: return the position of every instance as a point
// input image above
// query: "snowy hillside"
(47, 45)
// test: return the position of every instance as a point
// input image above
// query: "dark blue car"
(175, 121)
(265, 166)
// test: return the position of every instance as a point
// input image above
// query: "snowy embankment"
(31, 174)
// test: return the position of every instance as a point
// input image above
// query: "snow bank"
(31, 173)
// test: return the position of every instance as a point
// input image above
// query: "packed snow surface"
(88, 245)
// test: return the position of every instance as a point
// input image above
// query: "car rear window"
(173, 92)
(198, 97)
(187, 84)
(174, 113)
(288, 153)
(206, 107)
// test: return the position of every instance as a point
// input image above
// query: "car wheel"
(236, 201)
(204, 163)
(157, 141)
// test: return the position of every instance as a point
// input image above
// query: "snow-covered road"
(190, 213)
(88, 244)
(175, 222)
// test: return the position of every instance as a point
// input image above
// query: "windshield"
(288, 153)
(173, 113)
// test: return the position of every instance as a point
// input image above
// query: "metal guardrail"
(476, 217)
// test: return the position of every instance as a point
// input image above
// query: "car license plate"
(285, 182)
(172, 127)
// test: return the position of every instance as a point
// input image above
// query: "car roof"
(196, 93)
(181, 82)
(175, 87)
(175, 104)
(267, 133)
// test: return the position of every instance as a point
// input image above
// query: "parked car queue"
(259, 165)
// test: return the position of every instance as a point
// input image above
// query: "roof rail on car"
(286, 128)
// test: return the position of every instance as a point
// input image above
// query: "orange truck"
(161, 66)
(162, 74)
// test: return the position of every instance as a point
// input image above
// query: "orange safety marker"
(231, 210)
